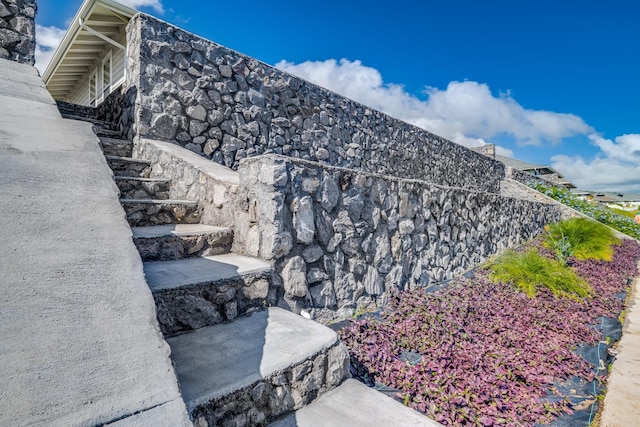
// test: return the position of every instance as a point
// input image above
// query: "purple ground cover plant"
(490, 353)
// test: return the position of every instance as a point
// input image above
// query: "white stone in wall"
(303, 219)
(294, 277)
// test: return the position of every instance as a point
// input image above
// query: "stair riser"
(129, 168)
(177, 247)
(277, 394)
(190, 308)
(132, 189)
(107, 132)
(98, 123)
(120, 148)
(143, 214)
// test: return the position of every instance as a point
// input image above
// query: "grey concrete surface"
(622, 399)
(354, 404)
(217, 360)
(79, 341)
(162, 275)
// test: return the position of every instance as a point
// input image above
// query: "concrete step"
(356, 405)
(100, 131)
(144, 212)
(75, 109)
(177, 241)
(100, 123)
(192, 293)
(116, 147)
(143, 188)
(252, 370)
(126, 166)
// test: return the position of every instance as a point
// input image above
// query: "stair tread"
(217, 360)
(126, 159)
(159, 201)
(154, 231)
(137, 178)
(354, 404)
(164, 275)
(107, 140)
(84, 119)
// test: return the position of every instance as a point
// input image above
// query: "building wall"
(227, 106)
(17, 30)
(342, 240)
(80, 94)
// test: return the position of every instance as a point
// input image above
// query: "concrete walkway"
(79, 341)
(622, 401)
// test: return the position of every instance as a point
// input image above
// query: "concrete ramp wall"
(79, 341)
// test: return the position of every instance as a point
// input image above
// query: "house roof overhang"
(90, 33)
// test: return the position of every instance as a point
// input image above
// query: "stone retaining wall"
(342, 240)
(17, 30)
(227, 106)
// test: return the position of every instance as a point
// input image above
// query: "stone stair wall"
(215, 188)
(226, 106)
(341, 240)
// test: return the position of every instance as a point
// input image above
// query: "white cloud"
(465, 112)
(47, 41)
(135, 4)
(615, 168)
(469, 114)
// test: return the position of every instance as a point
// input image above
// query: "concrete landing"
(622, 399)
(217, 360)
(354, 404)
(163, 275)
(79, 341)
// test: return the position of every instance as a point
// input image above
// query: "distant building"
(541, 171)
(628, 201)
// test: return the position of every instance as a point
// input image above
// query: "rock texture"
(226, 106)
(342, 240)
(17, 30)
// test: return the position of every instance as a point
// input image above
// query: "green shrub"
(628, 214)
(560, 245)
(588, 239)
(600, 213)
(530, 270)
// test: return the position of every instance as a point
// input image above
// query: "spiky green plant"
(561, 246)
(588, 239)
(529, 270)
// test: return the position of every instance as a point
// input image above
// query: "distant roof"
(619, 197)
(608, 196)
(91, 31)
(522, 165)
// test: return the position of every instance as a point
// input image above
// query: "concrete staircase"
(233, 369)
(238, 362)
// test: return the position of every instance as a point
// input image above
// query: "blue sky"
(550, 82)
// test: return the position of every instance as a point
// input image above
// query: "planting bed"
(484, 353)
